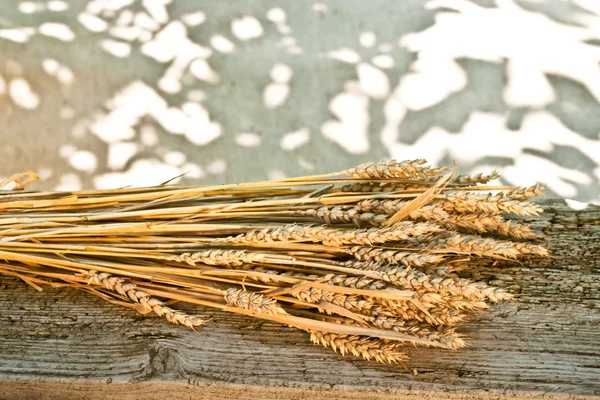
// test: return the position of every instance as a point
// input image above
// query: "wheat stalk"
(367, 260)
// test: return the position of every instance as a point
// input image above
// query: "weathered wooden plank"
(65, 344)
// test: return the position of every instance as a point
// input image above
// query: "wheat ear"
(335, 237)
(394, 170)
(148, 303)
(363, 347)
(252, 301)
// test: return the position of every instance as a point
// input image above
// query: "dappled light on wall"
(533, 47)
(136, 92)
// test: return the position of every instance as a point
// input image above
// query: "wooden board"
(61, 344)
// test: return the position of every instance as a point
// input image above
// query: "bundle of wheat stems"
(367, 260)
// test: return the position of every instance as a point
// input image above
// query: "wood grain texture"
(61, 343)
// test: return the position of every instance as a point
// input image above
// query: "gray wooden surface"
(62, 344)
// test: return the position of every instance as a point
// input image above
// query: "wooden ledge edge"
(107, 390)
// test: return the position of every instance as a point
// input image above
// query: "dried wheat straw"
(366, 260)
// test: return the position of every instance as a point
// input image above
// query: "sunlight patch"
(222, 44)
(57, 5)
(17, 35)
(320, 7)
(367, 39)
(248, 139)
(157, 10)
(576, 205)
(167, 42)
(97, 6)
(147, 172)
(173, 120)
(125, 18)
(175, 158)
(465, 30)
(143, 20)
(196, 95)
(275, 95)
(293, 140)
(283, 28)
(217, 167)
(373, 82)
(119, 154)
(67, 150)
(128, 33)
(188, 51)
(281, 73)
(69, 182)
(62, 73)
(532, 168)
(276, 15)
(117, 49)
(422, 90)
(193, 19)
(127, 107)
(58, 31)
(383, 61)
(148, 135)
(29, 7)
(350, 132)
(83, 160)
(200, 129)
(201, 70)
(92, 23)
(246, 28)
(485, 135)
(22, 94)
(344, 54)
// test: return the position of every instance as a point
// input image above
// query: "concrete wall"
(112, 93)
